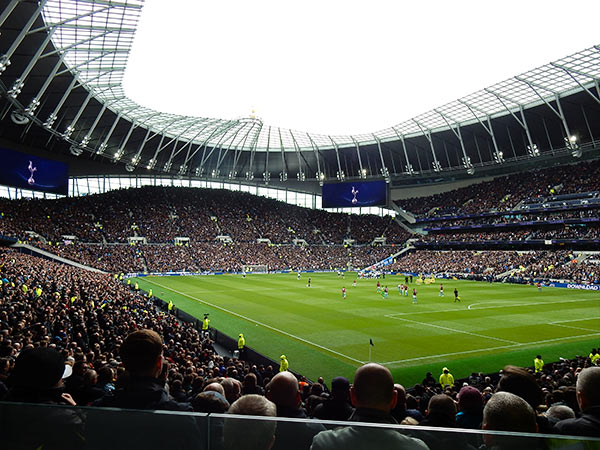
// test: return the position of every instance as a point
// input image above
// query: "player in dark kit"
(456, 297)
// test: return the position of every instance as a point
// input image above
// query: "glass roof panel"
(96, 39)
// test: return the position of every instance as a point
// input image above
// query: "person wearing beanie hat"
(337, 406)
(470, 405)
(284, 364)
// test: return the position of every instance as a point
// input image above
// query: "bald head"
(283, 390)
(374, 388)
(215, 387)
(509, 412)
(588, 394)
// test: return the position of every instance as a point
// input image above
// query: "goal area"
(255, 268)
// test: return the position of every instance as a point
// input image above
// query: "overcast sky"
(342, 67)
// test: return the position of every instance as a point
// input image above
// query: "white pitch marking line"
(455, 330)
(259, 323)
(436, 356)
(560, 323)
(505, 305)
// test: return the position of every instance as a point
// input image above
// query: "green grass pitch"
(323, 334)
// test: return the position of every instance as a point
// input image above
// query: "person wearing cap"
(337, 406)
(446, 378)
(284, 364)
(37, 377)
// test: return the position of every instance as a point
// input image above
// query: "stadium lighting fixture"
(409, 169)
(499, 157)
(16, 88)
(198, 171)
(215, 173)
(532, 150)
(68, 132)
(283, 176)
(129, 167)
(363, 174)
(4, 63)
(301, 176)
(102, 148)
(167, 166)
(50, 121)
(437, 167)
(267, 177)
(341, 176)
(183, 169)
(571, 144)
(232, 174)
(33, 105)
(386, 174)
(249, 176)
(118, 154)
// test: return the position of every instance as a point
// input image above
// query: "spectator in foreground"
(250, 433)
(588, 397)
(337, 406)
(509, 412)
(374, 396)
(37, 378)
(283, 390)
(141, 353)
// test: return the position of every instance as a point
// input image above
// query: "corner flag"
(371, 342)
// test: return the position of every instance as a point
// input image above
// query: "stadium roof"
(62, 65)
(95, 39)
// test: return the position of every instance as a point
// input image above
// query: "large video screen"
(354, 194)
(33, 173)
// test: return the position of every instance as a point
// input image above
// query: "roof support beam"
(522, 121)
(498, 155)
(437, 167)
(19, 39)
(570, 72)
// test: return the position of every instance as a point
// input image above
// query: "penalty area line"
(285, 333)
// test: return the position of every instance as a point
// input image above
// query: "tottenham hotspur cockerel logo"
(32, 169)
(354, 194)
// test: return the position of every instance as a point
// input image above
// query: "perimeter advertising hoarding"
(33, 173)
(354, 194)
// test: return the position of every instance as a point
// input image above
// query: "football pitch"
(323, 334)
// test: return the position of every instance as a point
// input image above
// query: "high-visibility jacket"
(447, 379)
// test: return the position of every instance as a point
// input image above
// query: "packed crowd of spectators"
(218, 257)
(527, 266)
(74, 337)
(575, 232)
(517, 218)
(504, 193)
(162, 213)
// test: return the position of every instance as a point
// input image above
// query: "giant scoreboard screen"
(32, 172)
(354, 194)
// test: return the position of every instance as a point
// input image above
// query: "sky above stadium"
(341, 67)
